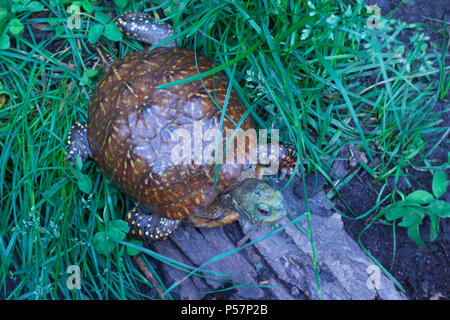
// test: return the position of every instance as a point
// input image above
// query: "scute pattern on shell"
(131, 129)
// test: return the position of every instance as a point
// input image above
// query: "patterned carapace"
(132, 129)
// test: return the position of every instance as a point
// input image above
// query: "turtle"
(133, 129)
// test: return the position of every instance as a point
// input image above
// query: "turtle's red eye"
(263, 212)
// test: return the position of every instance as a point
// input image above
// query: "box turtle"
(131, 134)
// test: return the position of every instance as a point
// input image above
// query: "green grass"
(311, 69)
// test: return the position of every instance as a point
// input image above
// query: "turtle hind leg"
(149, 227)
(77, 143)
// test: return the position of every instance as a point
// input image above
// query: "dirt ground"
(423, 272)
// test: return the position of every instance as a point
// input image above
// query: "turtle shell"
(134, 130)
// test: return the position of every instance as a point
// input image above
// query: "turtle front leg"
(226, 218)
(149, 227)
(220, 212)
(286, 159)
(143, 27)
(77, 143)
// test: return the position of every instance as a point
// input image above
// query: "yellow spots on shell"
(116, 73)
(156, 196)
(102, 107)
(150, 64)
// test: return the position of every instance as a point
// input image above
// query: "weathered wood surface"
(283, 262)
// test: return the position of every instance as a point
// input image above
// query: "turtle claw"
(77, 143)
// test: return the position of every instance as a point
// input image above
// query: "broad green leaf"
(439, 184)
(411, 217)
(3, 12)
(78, 163)
(15, 26)
(4, 42)
(394, 211)
(414, 234)
(117, 229)
(17, 7)
(116, 234)
(119, 225)
(121, 3)
(420, 197)
(87, 6)
(91, 73)
(434, 227)
(35, 6)
(112, 32)
(102, 17)
(59, 29)
(440, 208)
(75, 172)
(87, 75)
(95, 32)
(85, 183)
(133, 251)
(102, 244)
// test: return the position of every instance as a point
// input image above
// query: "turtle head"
(142, 26)
(258, 202)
